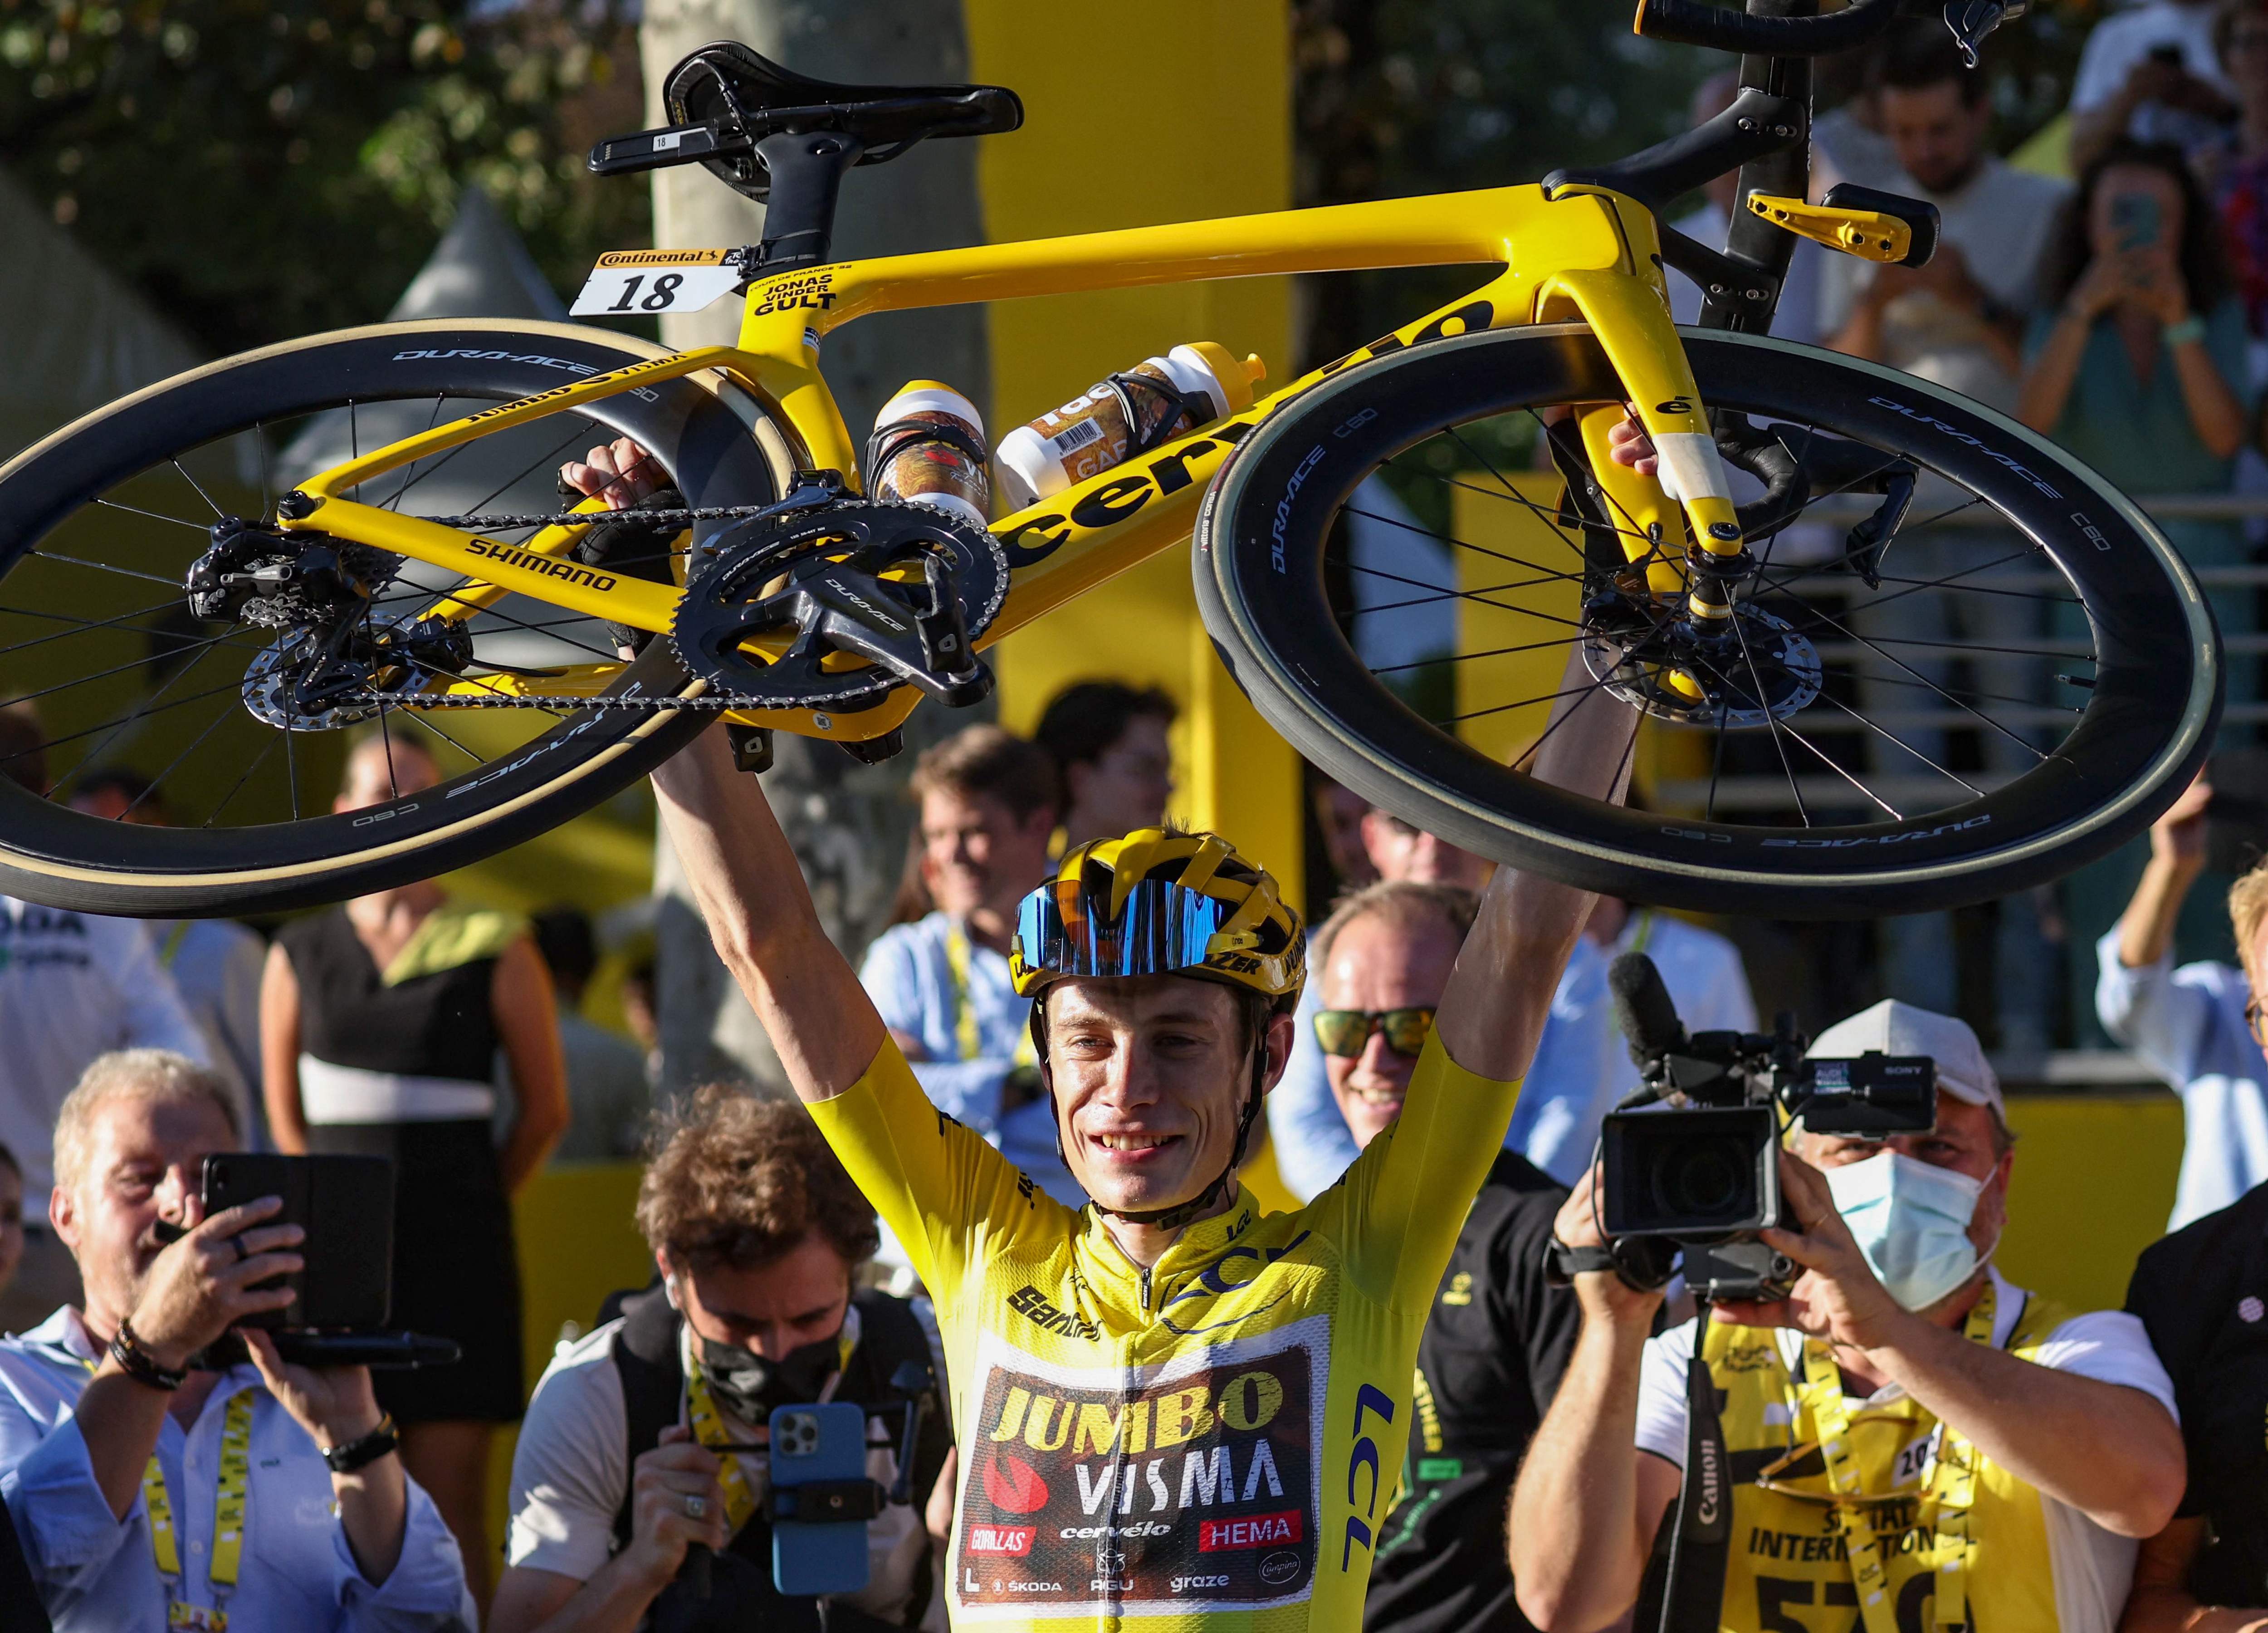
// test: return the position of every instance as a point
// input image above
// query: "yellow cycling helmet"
(1161, 903)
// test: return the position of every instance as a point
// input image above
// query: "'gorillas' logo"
(1013, 1486)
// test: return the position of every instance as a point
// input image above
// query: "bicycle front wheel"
(230, 803)
(1934, 691)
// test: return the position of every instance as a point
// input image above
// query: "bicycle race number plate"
(1191, 1490)
(631, 282)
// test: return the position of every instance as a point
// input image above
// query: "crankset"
(1746, 669)
(853, 599)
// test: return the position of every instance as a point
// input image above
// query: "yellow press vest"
(1790, 1570)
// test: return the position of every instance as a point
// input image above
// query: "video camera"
(1692, 1158)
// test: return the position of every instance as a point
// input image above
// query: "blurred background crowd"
(2102, 178)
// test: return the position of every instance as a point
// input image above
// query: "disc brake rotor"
(1757, 671)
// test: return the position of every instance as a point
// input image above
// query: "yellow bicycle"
(1908, 654)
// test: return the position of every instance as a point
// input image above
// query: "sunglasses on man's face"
(1343, 1032)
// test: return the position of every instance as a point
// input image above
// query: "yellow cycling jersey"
(1212, 1440)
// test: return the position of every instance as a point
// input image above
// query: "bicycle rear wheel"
(100, 524)
(2032, 676)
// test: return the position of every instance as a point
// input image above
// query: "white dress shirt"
(98, 1574)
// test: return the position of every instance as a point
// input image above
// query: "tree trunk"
(849, 823)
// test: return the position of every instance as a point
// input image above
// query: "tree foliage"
(266, 168)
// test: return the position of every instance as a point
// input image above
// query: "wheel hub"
(1755, 670)
(318, 679)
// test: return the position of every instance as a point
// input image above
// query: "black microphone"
(1648, 1019)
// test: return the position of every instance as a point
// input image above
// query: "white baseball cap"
(1896, 1028)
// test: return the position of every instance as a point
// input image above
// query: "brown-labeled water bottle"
(928, 448)
(1123, 418)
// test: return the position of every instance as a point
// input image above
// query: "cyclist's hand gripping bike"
(1907, 653)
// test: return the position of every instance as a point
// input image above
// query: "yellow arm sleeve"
(941, 1188)
(1405, 1200)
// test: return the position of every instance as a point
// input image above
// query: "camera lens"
(1706, 1179)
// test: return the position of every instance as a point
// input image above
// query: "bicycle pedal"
(875, 750)
(751, 746)
(1859, 221)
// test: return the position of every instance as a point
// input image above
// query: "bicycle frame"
(1571, 252)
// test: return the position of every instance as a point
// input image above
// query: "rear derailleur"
(331, 653)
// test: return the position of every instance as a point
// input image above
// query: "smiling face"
(976, 857)
(797, 1299)
(143, 1162)
(1150, 1076)
(1377, 962)
(1965, 1140)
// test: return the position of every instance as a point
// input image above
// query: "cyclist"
(1167, 1406)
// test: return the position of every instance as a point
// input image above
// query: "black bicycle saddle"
(735, 91)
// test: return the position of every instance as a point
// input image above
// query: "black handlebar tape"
(1643, 1009)
(1696, 23)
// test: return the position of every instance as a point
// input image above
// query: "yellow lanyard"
(172, 949)
(709, 1429)
(965, 1035)
(228, 1501)
(1644, 931)
(1947, 1496)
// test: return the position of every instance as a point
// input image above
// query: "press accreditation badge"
(630, 282)
(1191, 1487)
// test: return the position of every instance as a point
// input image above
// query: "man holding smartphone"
(156, 1484)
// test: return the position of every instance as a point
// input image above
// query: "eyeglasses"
(1344, 1032)
(1807, 1461)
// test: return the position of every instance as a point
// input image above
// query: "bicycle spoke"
(143, 662)
(1463, 658)
(1932, 686)
(1477, 549)
(202, 494)
(123, 572)
(1772, 721)
(1716, 768)
(220, 719)
(135, 509)
(258, 760)
(291, 762)
(1828, 697)
(402, 486)
(78, 626)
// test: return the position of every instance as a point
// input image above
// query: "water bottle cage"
(889, 441)
(1189, 409)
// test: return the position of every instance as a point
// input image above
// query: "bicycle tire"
(2145, 728)
(63, 858)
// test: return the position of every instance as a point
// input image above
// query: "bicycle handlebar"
(1697, 23)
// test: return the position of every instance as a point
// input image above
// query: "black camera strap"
(1691, 1580)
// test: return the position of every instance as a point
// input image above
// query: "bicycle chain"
(584, 518)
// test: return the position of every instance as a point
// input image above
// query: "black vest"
(646, 1359)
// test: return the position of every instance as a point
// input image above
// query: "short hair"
(1084, 720)
(1404, 902)
(1920, 55)
(8, 1161)
(145, 1075)
(985, 760)
(2248, 905)
(740, 1182)
(569, 947)
(24, 745)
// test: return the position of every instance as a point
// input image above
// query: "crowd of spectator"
(1949, 1432)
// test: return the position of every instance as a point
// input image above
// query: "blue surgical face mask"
(1911, 1222)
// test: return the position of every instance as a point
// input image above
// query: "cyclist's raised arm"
(1501, 988)
(750, 889)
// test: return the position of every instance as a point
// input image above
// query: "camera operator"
(118, 1458)
(1904, 1424)
(757, 1231)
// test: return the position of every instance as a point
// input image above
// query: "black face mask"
(747, 1385)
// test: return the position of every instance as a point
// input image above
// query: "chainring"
(817, 578)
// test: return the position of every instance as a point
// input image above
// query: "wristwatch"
(360, 1453)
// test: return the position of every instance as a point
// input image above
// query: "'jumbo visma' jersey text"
(1216, 1436)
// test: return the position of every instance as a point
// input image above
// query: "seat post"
(806, 179)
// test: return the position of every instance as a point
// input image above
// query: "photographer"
(756, 1230)
(118, 1456)
(1905, 1423)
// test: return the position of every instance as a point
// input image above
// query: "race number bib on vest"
(630, 283)
(1165, 1491)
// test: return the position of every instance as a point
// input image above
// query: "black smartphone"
(346, 1206)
